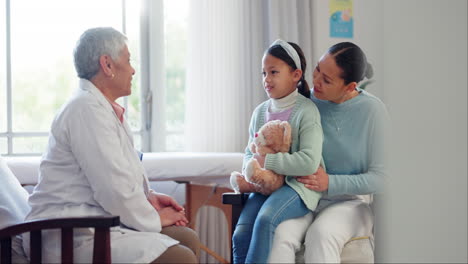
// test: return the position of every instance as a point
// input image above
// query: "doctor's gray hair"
(94, 43)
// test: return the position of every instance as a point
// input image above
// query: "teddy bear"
(272, 137)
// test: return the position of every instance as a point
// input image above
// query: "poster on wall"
(341, 18)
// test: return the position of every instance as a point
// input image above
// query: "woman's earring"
(112, 76)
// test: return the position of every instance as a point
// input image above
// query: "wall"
(368, 34)
(419, 52)
(425, 59)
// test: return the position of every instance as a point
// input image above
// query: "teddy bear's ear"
(287, 132)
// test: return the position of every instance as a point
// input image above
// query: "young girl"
(283, 80)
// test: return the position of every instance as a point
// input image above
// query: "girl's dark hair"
(352, 61)
(278, 52)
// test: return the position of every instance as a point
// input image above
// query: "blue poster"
(341, 18)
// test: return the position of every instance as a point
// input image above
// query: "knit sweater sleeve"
(373, 180)
(306, 148)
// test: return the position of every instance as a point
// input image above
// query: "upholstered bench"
(357, 250)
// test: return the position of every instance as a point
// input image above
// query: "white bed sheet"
(197, 167)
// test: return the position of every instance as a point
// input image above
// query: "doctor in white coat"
(91, 168)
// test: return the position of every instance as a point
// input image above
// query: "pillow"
(13, 206)
(13, 198)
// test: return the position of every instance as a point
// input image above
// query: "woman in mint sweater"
(353, 122)
(283, 79)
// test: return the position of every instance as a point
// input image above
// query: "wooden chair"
(13, 210)
(237, 201)
(101, 250)
(357, 250)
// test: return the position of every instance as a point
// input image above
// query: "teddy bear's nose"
(256, 134)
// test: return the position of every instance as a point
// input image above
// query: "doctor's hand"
(317, 181)
(169, 216)
(160, 201)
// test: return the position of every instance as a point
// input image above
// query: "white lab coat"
(91, 168)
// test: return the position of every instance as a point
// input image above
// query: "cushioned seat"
(357, 250)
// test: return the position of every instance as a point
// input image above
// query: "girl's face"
(328, 84)
(279, 80)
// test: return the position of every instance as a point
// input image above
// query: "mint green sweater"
(305, 154)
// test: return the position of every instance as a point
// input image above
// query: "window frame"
(10, 135)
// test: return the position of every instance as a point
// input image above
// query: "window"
(175, 28)
(37, 75)
(3, 85)
(41, 72)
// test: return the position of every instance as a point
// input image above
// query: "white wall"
(425, 58)
(419, 52)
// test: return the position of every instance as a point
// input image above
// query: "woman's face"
(328, 85)
(123, 73)
(278, 78)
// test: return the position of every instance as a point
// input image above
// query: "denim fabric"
(261, 215)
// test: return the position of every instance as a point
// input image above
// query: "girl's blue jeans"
(253, 236)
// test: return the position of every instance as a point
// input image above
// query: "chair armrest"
(102, 225)
(235, 198)
(237, 201)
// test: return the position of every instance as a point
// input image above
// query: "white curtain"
(227, 39)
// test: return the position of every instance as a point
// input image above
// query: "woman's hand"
(317, 181)
(160, 201)
(169, 216)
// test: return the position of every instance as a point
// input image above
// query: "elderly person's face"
(122, 82)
